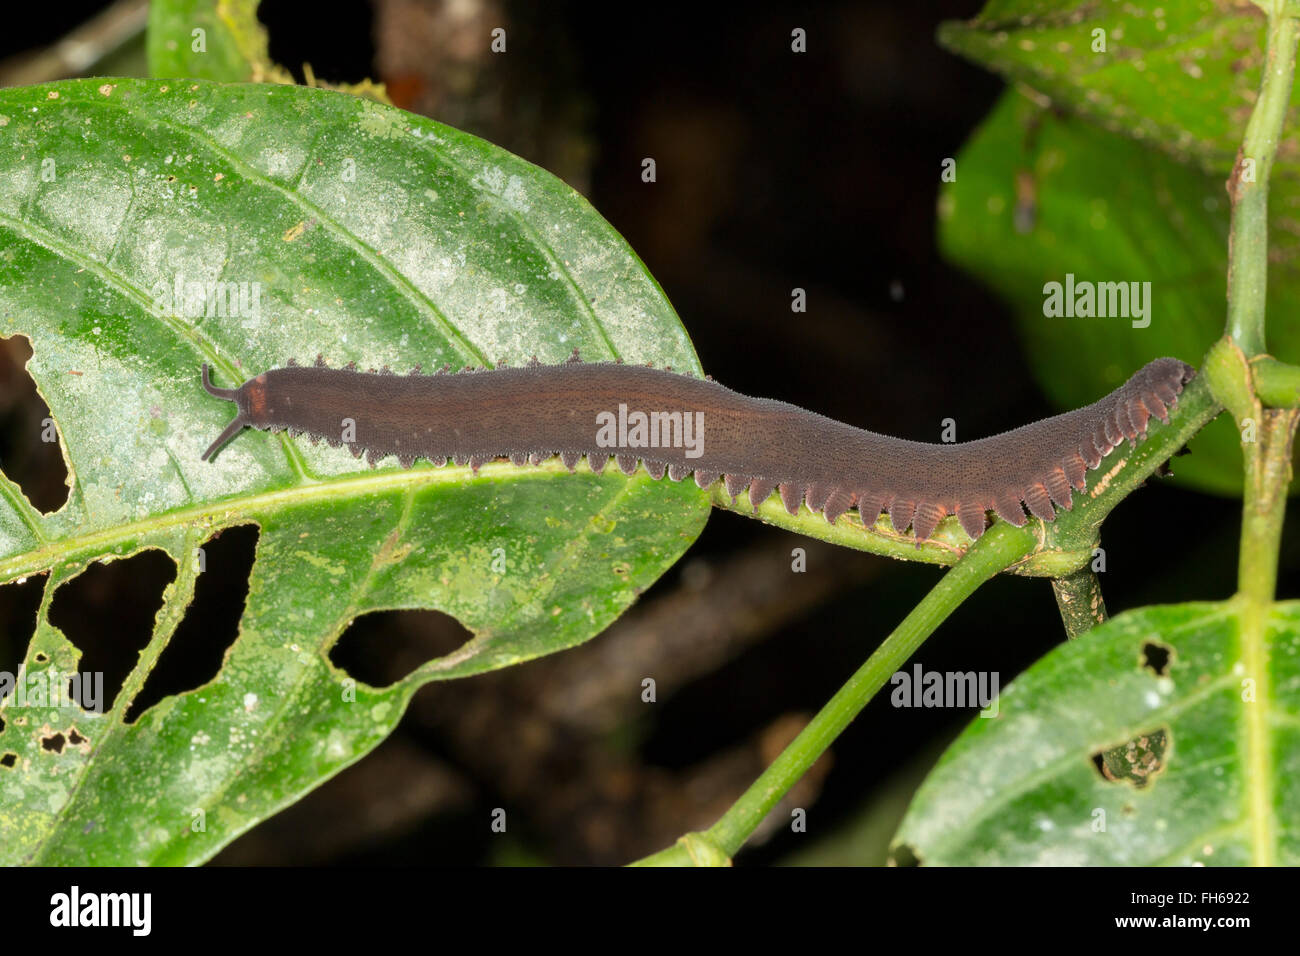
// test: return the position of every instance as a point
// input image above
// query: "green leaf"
(210, 40)
(1102, 208)
(1221, 787)
(1179, 73)
(1122, 179)
(223, 40)
(375, 236)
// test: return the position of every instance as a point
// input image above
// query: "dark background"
(775, 170)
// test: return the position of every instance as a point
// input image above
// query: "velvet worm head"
(241, 419)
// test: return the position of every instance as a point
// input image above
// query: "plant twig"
(999, 547)
(1267, 435)
(1248, 187)
(1076, 530)
(1268, 474)
(1078, 597)
(1276, 383)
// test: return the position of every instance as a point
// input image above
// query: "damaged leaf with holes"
(1158, 738)
(362, 233)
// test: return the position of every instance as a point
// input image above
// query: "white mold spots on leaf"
(86, 204)
(280, 162)
(508, 188)
(17, 183)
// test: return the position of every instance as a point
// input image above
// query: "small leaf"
(210, 40)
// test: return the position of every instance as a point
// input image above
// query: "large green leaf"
(1104, 208)
(1121, 180)
(376, 236)
(1222, 786)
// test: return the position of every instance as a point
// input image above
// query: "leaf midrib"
(229, 510)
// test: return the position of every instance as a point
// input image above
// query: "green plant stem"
(1268, 474)
(945, 547)
(1276, 383)
(998, 548)
(1078, 597)
(1268, 435)
(1126, 469)
(1232, 380)
(1248, 187)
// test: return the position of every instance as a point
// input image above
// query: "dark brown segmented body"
(538, 411)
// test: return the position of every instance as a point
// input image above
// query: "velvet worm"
(680, 425)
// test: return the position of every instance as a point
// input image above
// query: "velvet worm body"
(679, 425)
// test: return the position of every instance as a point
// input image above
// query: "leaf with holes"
(148, 226)
(1169, 735)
